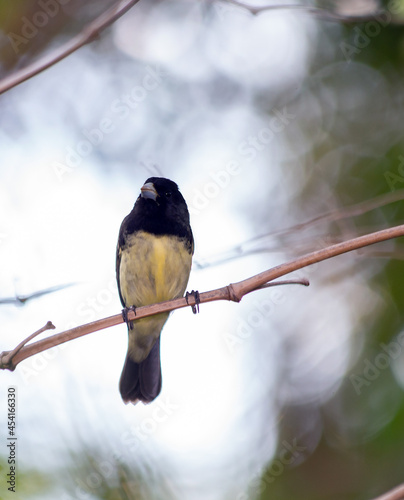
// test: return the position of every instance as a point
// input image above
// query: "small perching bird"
(153, 263)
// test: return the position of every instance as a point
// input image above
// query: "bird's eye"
(168, 194)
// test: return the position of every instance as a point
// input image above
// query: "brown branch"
(317, 12)
(303, 282)
(234, 292)
(395, 494)
(89, 33)
(8, 357)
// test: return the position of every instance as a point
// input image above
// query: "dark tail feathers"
(141, 381)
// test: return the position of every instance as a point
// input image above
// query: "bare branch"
(243, 287)
(7, 358)
(20, 300)
(89, 33)
(304, 282)
(317, 12)
(332, 216)
(234, 292)
(354, 210)
(395, 494)
(92, 31)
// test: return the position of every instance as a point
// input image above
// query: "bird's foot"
(195, 295)
(125, 312)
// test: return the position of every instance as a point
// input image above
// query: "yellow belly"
(152, 269)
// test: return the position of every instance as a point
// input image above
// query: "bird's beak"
(148, 191)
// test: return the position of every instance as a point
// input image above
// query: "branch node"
(233, 295)
(6, 361)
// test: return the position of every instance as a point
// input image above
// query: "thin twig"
(354, 210)
(303, 282)
(395, 494)
(92, 30)
(23, 299)
(89, 33)
(10, 355)
(233, 292)
(331, 216)
(317, 12)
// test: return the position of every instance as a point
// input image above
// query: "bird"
(153, 264)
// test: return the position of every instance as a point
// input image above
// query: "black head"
(161, 190)
(160, 209)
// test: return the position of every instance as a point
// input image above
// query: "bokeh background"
(284, 131)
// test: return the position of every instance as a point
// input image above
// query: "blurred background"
(284, 131)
